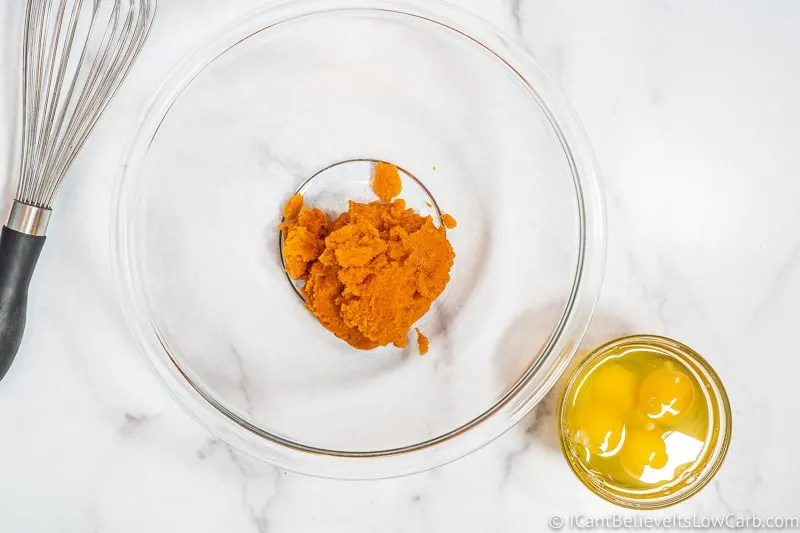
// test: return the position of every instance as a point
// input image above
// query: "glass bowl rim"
(519, 399)
(721, 444)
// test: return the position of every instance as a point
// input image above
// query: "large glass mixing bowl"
(303, 96)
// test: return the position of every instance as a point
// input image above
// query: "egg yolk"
(666, 395)
(637, 419)
(599, 429)
(614, 385)
(643, 448)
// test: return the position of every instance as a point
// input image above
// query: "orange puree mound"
(386, 182)
(374, 271)
(423, 342)
(374, 274)
(371, 273)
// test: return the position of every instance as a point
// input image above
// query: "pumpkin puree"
(375, 270)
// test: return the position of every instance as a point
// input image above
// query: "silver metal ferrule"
(28, 219)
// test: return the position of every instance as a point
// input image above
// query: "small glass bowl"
(314, 89)
(717, 439)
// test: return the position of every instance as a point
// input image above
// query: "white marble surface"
(692, 110)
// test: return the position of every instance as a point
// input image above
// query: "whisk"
(75, 55)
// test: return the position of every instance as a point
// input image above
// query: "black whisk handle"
(19, 253)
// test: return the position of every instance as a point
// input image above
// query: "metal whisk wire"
(75, 55)
(63, 96)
